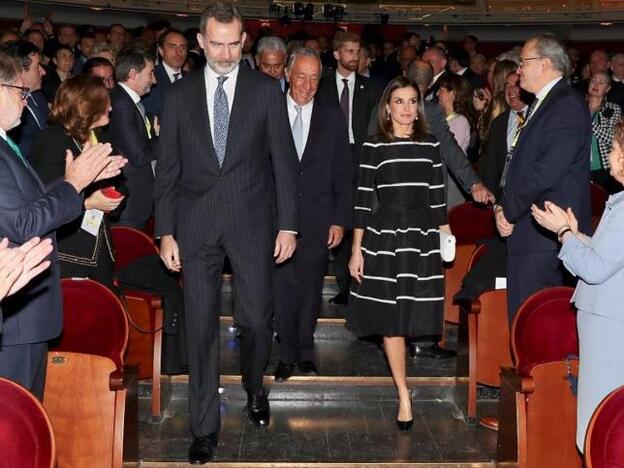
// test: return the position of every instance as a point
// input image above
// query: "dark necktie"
(344, 99)
(221, 120)
(522, 121)
(176, 76)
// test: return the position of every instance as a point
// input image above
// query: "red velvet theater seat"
(537, 409)
(85, 392)
(469, 222)
(26, 436)
(145, 313)
(604, 444)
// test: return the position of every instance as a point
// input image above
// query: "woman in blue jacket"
(598, 262)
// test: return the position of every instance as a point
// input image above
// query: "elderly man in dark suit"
(35, 114)
(133, 135)
(173, 48)
(325, 203)
(225, 185)
(548, 162)
(34, 315)
(357, 97)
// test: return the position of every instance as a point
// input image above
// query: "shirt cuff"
(290, 232)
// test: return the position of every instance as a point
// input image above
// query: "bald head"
(437, 58)
(421, 73)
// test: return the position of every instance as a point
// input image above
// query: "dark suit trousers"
(528, 273)
(25, 364)
(298, 288)
(252, 313)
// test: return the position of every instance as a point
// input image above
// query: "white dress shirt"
(170, 72)
(131, 92)
(462, 71)
(3, 134)
(306, 117)
(340, 86)
(229, 86)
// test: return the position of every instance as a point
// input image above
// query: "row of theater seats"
(533, 365)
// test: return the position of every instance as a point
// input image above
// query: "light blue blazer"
(599, 265)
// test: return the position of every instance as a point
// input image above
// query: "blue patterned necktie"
(15, 149)
(221, 120)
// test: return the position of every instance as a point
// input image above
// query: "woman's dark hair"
(79, 102)
(385, 131)
(462, 104)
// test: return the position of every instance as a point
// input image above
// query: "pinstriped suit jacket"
(253, 194)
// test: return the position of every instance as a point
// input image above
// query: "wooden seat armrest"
(468, 305)
(517, 381)
(157, 301)
(117, 380)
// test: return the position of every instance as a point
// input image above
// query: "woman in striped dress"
(399, 287)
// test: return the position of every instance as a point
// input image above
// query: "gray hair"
(550, 46)
(8, 69)
(302, 52)
(617, 56)
(271, 44)
(103, 47)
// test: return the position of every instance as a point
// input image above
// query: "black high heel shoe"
(405, 425)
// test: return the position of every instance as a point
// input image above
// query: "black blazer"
(129, 136)
(153, 102)
(74, 244)
(195, 198)
(325, 176)
(26, 133)
(476, 81)
(550, 163)
(365, 97)
(494, 154)
(29, 209)
(50, 84)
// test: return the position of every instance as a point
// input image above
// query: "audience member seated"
(35, 113)
(598, 262)
(63, 62)
(84, 245)
(605, 116)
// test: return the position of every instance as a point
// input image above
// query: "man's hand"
(505, 228)
(285, 245)
(35, 251)
(170, 254)
(481, 194)
(19, 265)
(81, 171)
(336, 233)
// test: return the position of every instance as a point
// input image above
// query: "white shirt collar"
(211, 75)
(3, 133)
(462, 71)
(435, 77)
(616, 79)
(541, 94)
(170, 71)
(291, 103)
(132, 93)
(350, 78)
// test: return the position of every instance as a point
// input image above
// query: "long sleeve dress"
(402, 292)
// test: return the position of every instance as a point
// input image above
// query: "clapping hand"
(93, 164)
(18, 265)
(554, 218)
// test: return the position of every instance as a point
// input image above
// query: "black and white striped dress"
(402, 293)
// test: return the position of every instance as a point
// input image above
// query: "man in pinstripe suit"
(225, 185)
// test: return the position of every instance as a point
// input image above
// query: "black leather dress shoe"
(202, 449)
(258, 408)
(433, 352)
(283, 371)
(307, 368)
(340, 299)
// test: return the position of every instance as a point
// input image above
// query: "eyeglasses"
(524, 60)
(23, 90)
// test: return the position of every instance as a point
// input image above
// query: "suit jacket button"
(300, 172)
